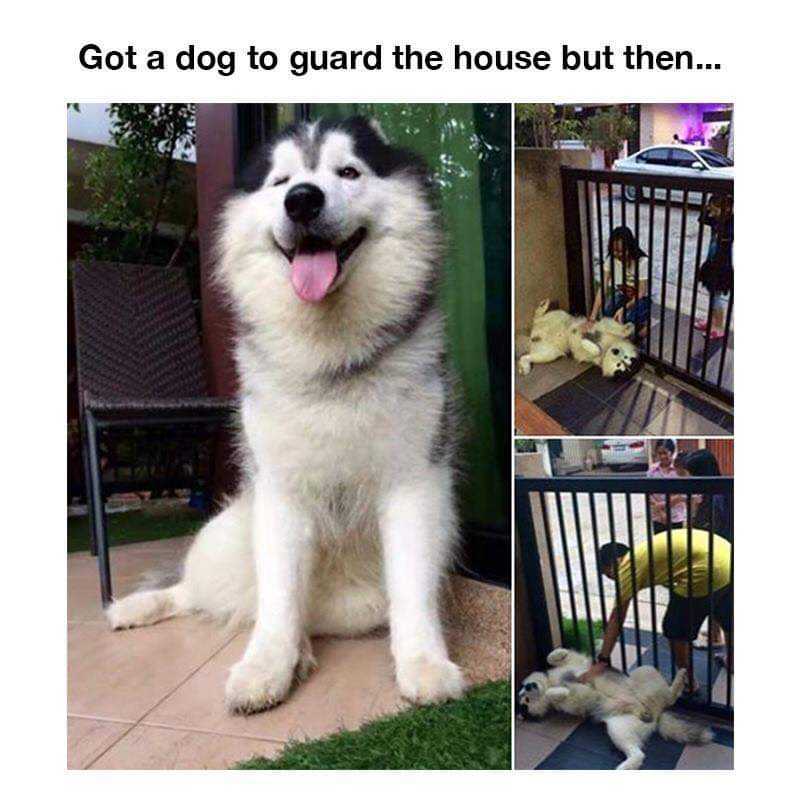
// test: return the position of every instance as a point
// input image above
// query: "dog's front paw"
(681, 677)
(258, 684)
(425, 680)
(524, 366)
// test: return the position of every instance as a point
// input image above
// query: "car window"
(658, 155)
(682, 158)
(715, 159)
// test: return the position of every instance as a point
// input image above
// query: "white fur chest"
(323, 439)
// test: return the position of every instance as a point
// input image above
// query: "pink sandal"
(701, 325)
(714, 335)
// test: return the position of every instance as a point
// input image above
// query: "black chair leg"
(98, 511)
(87, 487)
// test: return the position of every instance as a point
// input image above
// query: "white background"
(758, 52)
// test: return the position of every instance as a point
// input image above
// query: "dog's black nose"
(304, 202)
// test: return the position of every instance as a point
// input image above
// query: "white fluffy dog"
(347, 520)
(606, 344)
(632, 706)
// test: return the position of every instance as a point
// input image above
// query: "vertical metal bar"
(678, 302)
(729, 640)
(638, 279)
(669, 572)
(651, 570)
(637, 630)
(725, 338)
(711, 295)
(584, 576)
(587, 209)
(650, 256)
(695, 283)
(551, 557)
(710, 589)
(610, 189)
(689, 565)
(599, 213)
(664, 272)
(616, 584)
(98, 509)
(593, 516)
(565, 548)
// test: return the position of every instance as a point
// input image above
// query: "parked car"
(619, 453)
(675, 159)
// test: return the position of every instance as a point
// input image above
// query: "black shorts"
(684, 617)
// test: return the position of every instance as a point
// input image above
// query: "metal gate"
(665, 214)
(563, 522)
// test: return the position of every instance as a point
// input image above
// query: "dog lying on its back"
(631, 706)
(606, 344)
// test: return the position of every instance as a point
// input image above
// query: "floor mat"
(644, 404)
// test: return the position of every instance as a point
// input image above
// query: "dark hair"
(629, 244)
(680, 460)
(610, 553)
(667, 444)
(702, 463)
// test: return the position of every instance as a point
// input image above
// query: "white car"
(675, 159)
(618, 453)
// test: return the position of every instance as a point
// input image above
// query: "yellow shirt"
(680, 564)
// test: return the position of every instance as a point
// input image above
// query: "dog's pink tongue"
(313, 274)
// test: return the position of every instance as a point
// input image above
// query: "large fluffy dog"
(330, 256)
(606, 344)
(632, 707)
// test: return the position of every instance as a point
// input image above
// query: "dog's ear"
(629, 328)
(376, 126)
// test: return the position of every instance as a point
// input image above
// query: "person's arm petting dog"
(613, 628)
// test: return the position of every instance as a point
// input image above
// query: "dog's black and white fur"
(606, 343)
(633, 707)
(330, 255)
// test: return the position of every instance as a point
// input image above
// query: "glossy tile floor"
(152, 698)
(562, 742)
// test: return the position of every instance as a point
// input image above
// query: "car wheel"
(631, 193)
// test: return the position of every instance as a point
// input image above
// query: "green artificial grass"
(143, 525)
(471, 733)
(582, 642)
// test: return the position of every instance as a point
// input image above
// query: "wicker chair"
(140, 366)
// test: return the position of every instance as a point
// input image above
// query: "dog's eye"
(349, 173)
(280, 181)
(615, 351)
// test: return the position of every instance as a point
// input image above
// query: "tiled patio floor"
(152, 698)
(562, 742)
(581, 400)
(586, 403)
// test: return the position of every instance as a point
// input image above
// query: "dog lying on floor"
(606, 344)
(632, 706)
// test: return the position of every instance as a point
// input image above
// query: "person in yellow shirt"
(674, 568)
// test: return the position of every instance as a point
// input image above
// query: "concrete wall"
(540, 257)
